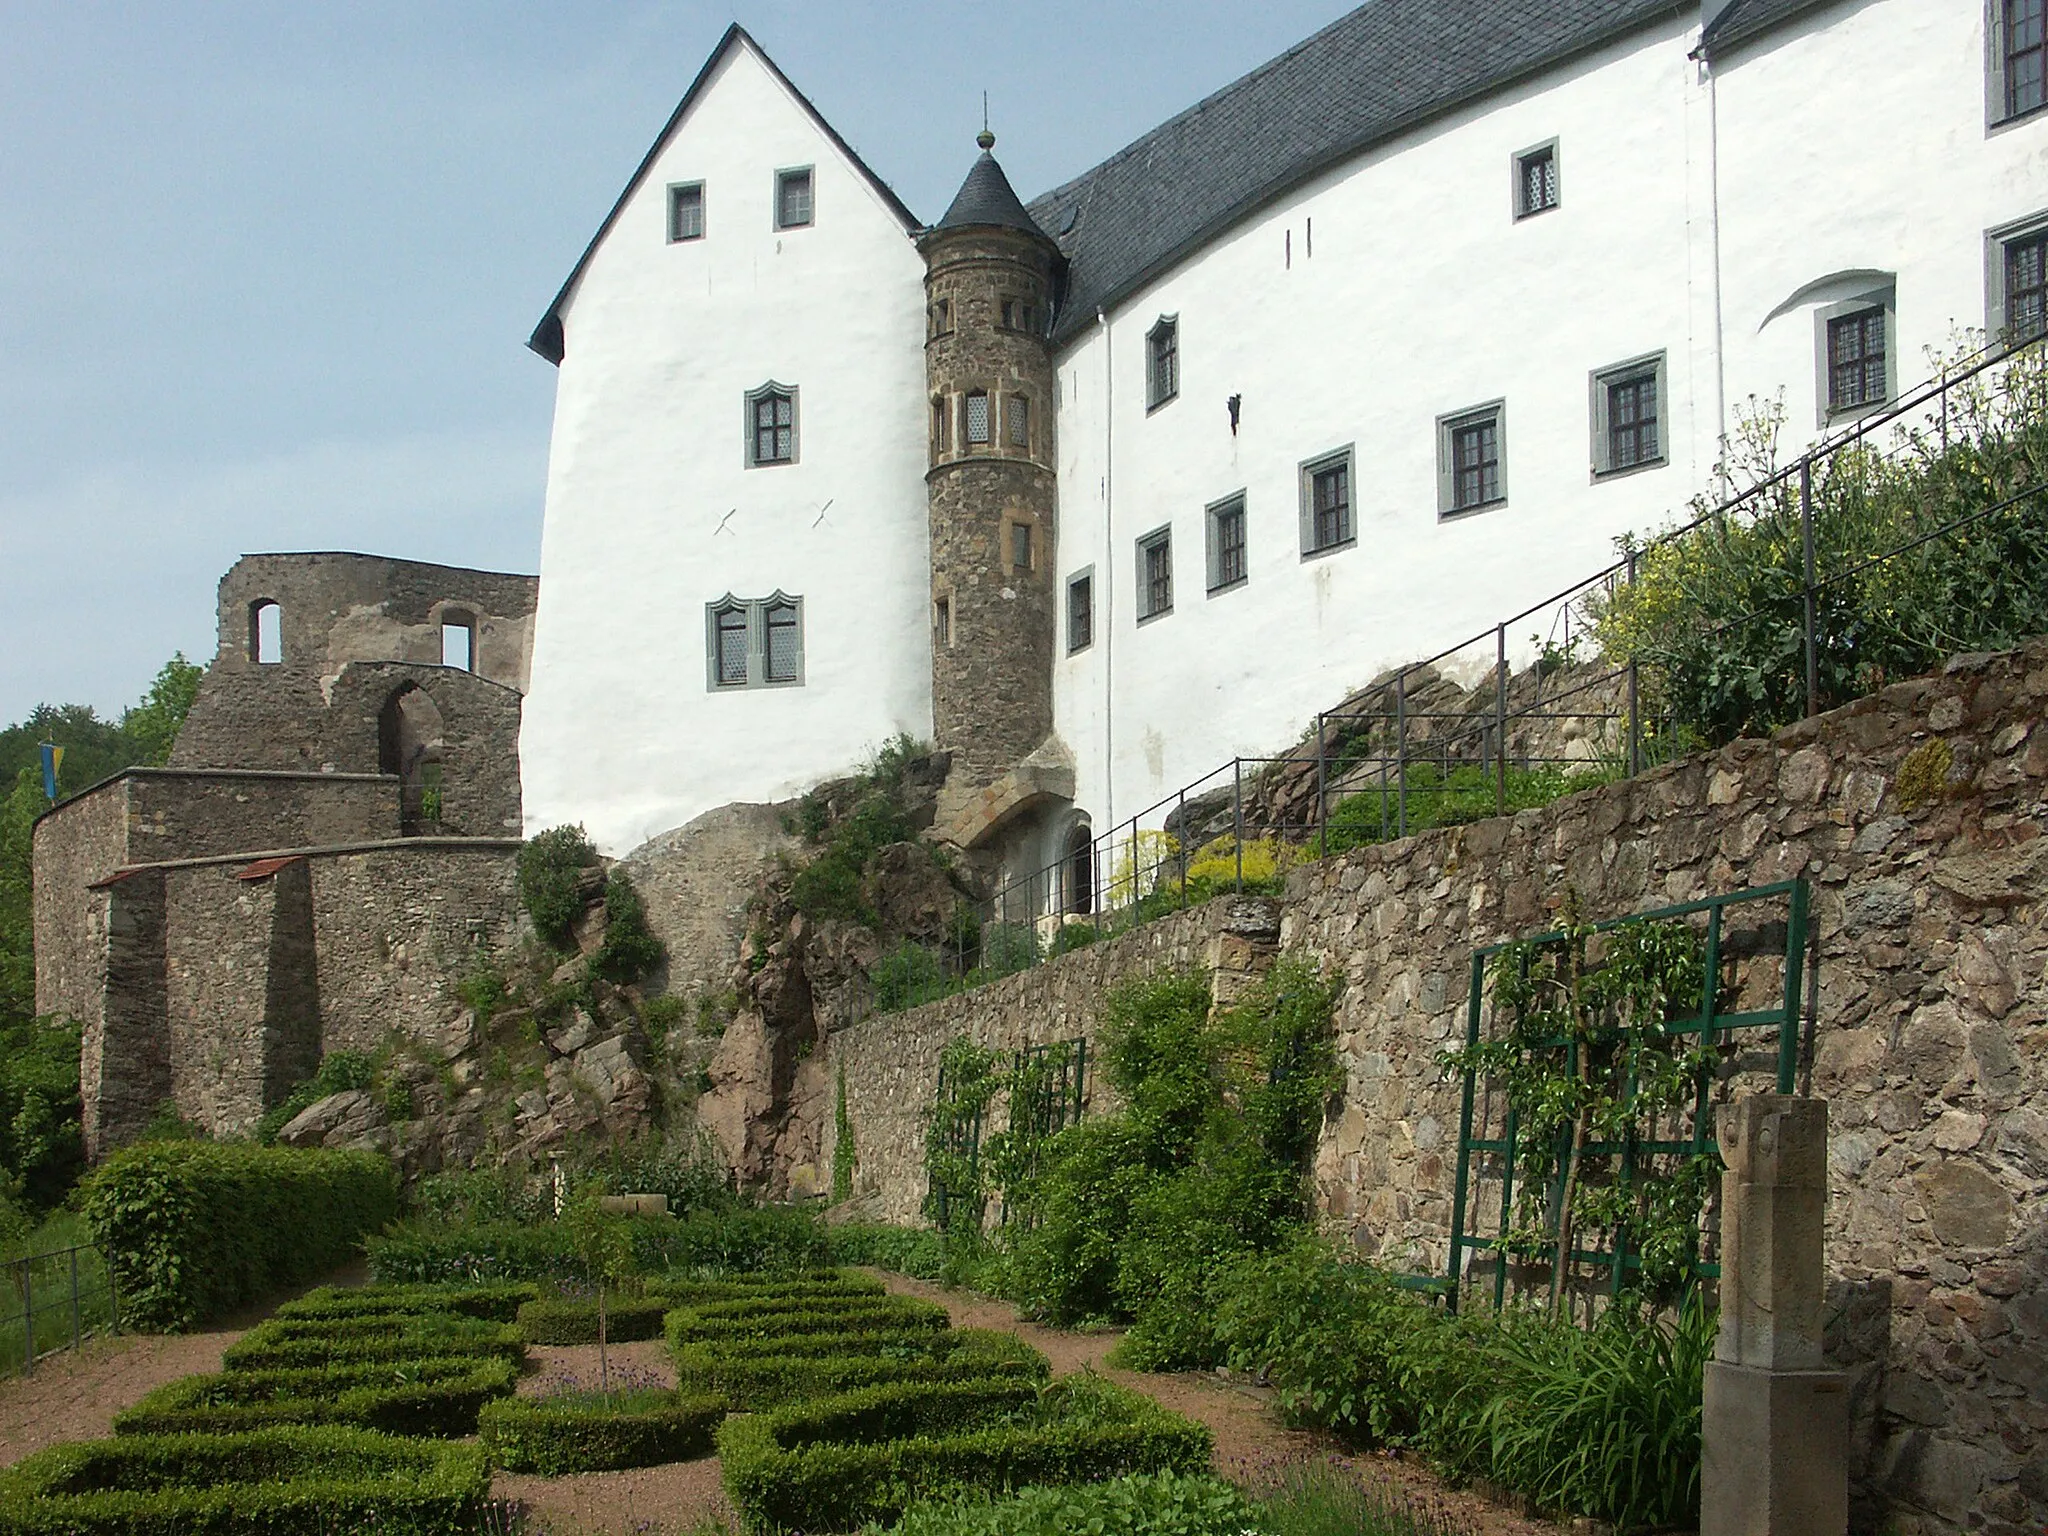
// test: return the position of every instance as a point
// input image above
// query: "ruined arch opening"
(1077, 872)
(409, 742)
(266, 632)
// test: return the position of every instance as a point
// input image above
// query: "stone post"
(1775, 1436)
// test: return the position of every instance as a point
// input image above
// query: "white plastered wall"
(1855, 139)
(663, 340)
(1416, 294)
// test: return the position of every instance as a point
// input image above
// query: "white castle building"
(1370, 348)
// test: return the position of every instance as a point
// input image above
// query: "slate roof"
(1742, 20)
(547, 336)
(987, 199)
(1383, 69)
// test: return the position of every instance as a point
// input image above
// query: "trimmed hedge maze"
(337, 1415)
(598, 1432)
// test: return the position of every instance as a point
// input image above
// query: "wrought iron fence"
(55, 1301)
(1496, 723)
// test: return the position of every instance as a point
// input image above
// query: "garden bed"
(433, 1398)
(598, 1431)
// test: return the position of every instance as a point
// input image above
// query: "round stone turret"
(989, 273)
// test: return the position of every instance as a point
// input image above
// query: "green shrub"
(193, 1229)
(1438, 799)
(1144, 1504)
(598, 1431)
(411, 1397)
(338, 1072)
(495, 1303)
(480, 1197)
(688, 1173)
(739, 1238)
(288, 1344)
(768, 1319)
(556, 1320)
(686, 1289)
(281, 1482)
(918, 1251)
(630, 950)
(784, 1468)
(41, 1150)
(908, 975)
(766, 1373)
(550, 866)
(420, 1253)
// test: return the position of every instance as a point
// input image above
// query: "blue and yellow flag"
(53, 759)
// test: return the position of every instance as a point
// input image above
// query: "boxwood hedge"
(838, 1462)
(598, 1432)
(554, 1320)
(745, 1319)
(278, 1482)
(763, 1373)
(290, 1343)
(741, 1238)
(683, 1290)
(498, 1303)
(436, 1398)
(194, 1228)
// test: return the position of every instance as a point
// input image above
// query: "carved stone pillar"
(1776, 1428)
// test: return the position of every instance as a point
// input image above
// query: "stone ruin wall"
(1931, 1049)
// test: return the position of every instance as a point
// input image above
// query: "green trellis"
(1764, 922)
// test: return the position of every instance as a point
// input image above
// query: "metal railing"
(1419, 748)
(55, 1301)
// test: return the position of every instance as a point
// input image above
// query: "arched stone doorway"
(409, 745)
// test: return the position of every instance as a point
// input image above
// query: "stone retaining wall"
(1917, 817)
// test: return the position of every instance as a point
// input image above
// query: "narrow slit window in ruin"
(266, 632)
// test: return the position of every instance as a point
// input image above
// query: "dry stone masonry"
(1917, 816)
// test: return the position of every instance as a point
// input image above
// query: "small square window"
(2024, 301)
(1155, 574)
(1628, 416)
(1226, 544)
(1081, 611)
(1017, 412)
(771, 425)
(1020, 546)
(686, 211)
(1471, 472)
(793, 198)
(975, 410)
(1326, 520)
(1536, 180)
(2020, 56)
(1162, 362)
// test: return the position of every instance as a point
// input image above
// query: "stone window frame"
(1162, 363)
(1081, 634)
(756, 613)
(786, 177)
(678, 204)
(259, 606)
(1018, 313)
(1546, 153)
(968, 441)
(1212, 521)
(1651, 366)
(1449, 428)
(1017, 421)
(1998, 245)
(1998, 104)
(752, 425)
(1013, 522)
(943, 631)
(1307, 474)
(1155, 590)
(938, 319)
(1825, 317)
(457, 617)
(942, 427)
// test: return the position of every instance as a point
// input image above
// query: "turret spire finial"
(984, 138)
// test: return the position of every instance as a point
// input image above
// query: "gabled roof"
(547, 336)
(1740, 20)
(987, 200)
(1385, 68)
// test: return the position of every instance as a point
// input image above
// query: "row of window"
(970, 419)
(793, 204)
(1013, 313)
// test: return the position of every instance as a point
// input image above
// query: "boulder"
(351, 1118)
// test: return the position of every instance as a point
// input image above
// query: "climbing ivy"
(956, 1192)
(1591, 1070)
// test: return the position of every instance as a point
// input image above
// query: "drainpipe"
(1714, 232)
(1107, 603)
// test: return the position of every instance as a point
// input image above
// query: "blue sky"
(267, 271)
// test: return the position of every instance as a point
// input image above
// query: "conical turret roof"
(987, 200)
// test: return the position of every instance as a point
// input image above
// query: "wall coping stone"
(421, 844)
